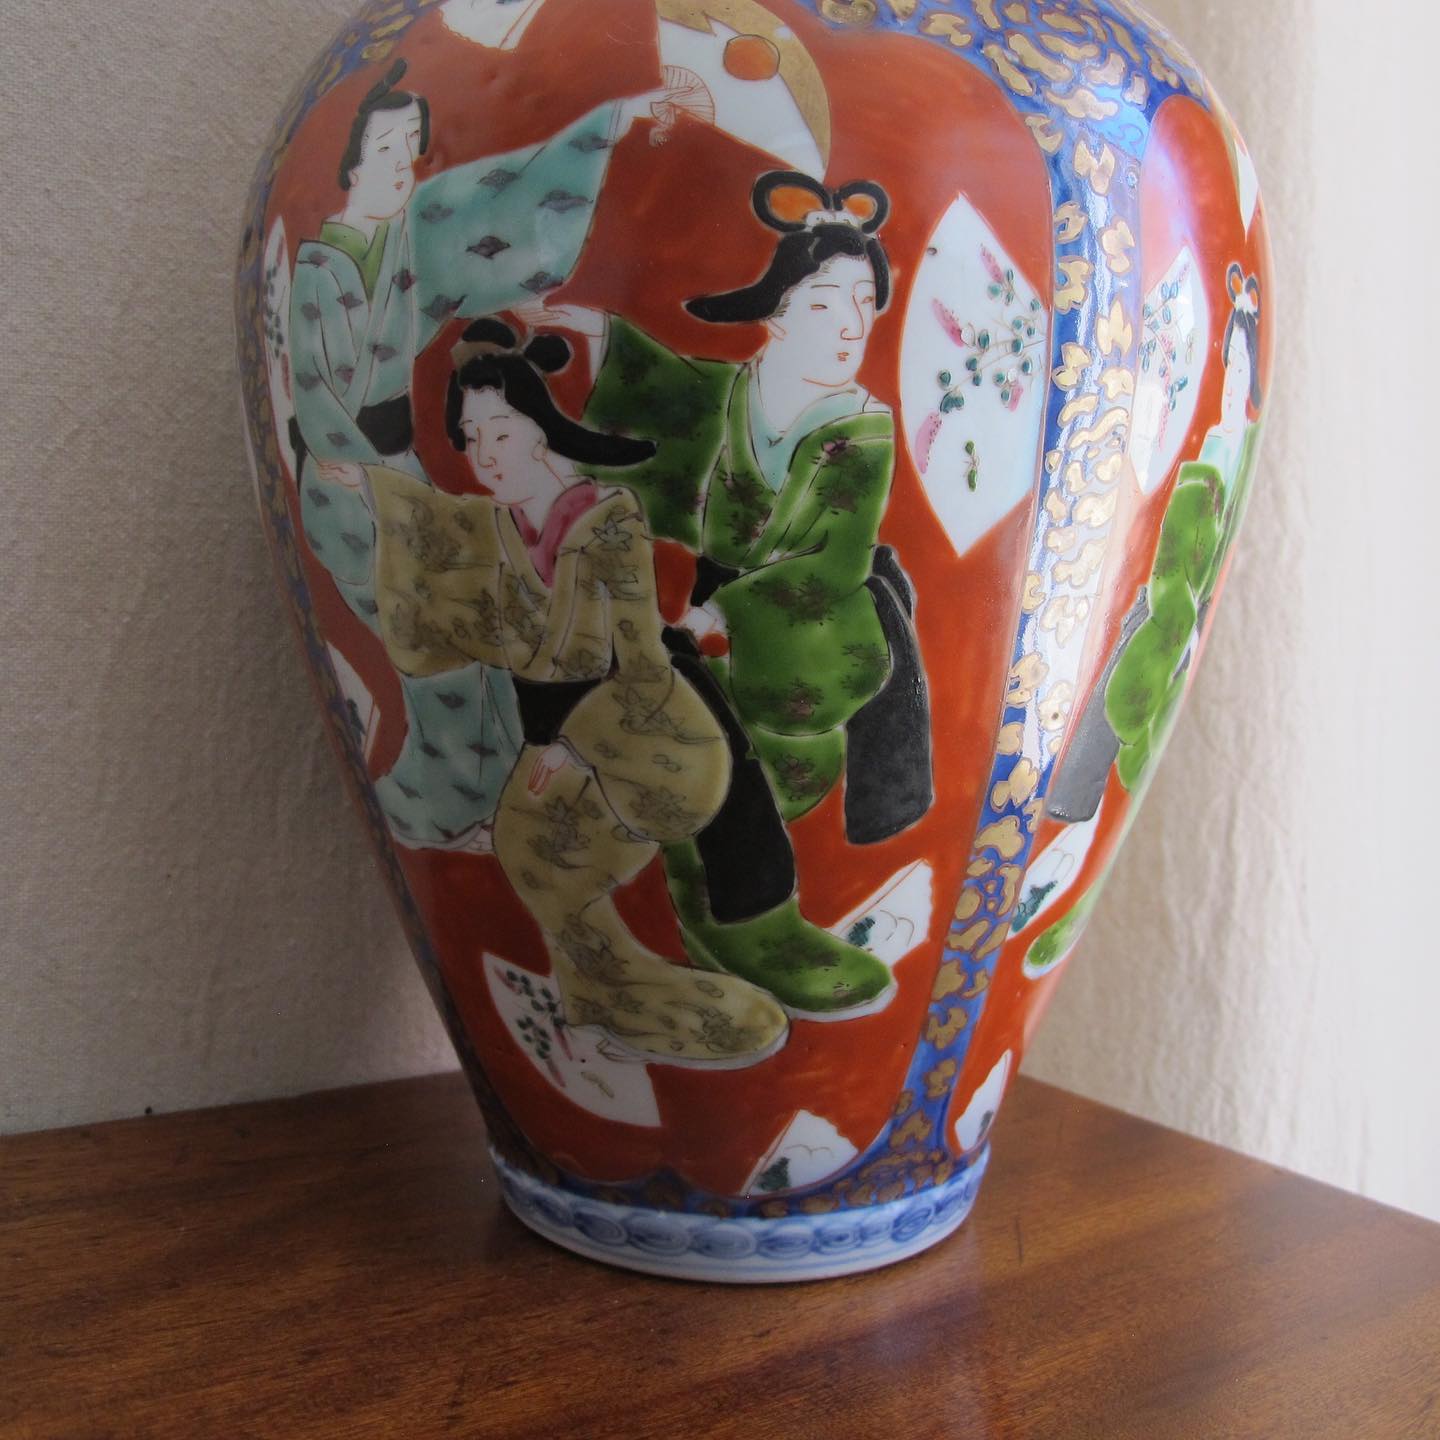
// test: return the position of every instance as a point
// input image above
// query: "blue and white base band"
(749, 1250)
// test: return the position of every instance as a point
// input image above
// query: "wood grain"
(341, 1266)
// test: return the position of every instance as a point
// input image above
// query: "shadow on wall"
(194, 917)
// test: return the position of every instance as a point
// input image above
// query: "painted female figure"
(1131, 708)
(1230, 445)
(778, 472)
(386, 273)
(551, 578)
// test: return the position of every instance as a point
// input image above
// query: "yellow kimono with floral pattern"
(650, 764)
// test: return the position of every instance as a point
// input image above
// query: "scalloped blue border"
(745, 1250)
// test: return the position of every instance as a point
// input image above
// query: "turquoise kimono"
(787, 522)
(474, 240)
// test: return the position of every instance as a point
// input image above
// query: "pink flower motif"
(962, 335)
(925, 440)
(992, 265)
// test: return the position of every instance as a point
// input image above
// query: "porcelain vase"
(752, 481)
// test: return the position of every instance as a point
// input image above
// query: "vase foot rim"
(748, 1250)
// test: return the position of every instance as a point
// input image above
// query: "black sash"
(1078, 785)
(749, 863)
(889, 775)
(545, 705)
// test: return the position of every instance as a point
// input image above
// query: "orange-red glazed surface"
(753, 481)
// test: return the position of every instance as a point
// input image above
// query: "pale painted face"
(507, 451)
(1236, 395)
(383, 182)
(826, 322)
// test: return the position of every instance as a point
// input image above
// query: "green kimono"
(789, 523)
(474, 240)
(793, 519)
(1149, 681)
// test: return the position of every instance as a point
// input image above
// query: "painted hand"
(683, 92)
(703, 621)
(348, 473)
(548, 764)
(540, 315)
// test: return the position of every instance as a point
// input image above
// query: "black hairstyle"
(1240, 287)
(805, 248)
(383, 97)
(517, 374)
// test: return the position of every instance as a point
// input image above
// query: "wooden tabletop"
(341, 1266)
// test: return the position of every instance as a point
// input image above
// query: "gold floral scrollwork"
(1076, 359)
(949, 27)
(1075, 51)
(1061, 20)
(1126, 41)
(1033, 58)
(1117, 241)
(1063, 615)
(1008, 70)
(1026, 676)
(942, 1032)
(1080, 405)
(1059, 541)
(969, 904)
(1047, 134)
(1104, 429)
(993, 943)
(1107, 472)
(1162, 70)
(849, 12)
(1033, 595)
(1097, 511)
(1004, 837)
(1010, 878)
(1077, 573)
(1012, 738)
(1113, 331)
(1056, 705)
(1077, 272)
(1118, 381)
(1069, 222)
(1097, 168)
(1111, 73)
(1083, 104)
(1018, 787)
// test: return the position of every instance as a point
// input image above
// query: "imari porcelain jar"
(752, 480)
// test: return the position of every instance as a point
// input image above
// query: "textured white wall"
(188, 915)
